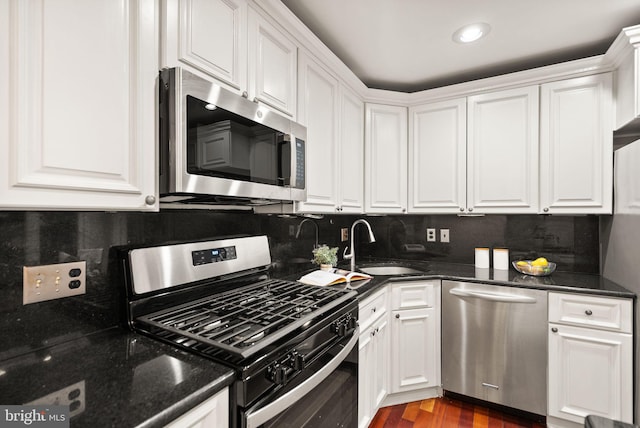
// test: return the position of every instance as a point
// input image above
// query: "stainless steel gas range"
(293, 346)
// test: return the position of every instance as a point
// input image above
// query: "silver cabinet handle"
(588, 312)
(495, 297)
(545, 210)
(255, 418)
(461, 209)
(470, 209)
(150, 200)
(554, 329)
(245, 94)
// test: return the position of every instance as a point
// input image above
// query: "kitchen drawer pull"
(554, 329)
(588, 312)
(398, 316)
(495, 297)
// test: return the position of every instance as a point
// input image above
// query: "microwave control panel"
(300, 164)
(213, 255)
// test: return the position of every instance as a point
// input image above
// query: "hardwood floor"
(446, 412)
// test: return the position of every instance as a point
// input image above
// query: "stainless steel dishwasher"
(494, 344)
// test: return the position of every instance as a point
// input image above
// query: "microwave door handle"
(262, 415)
(284, 176)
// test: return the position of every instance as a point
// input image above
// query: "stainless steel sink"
(390, 270)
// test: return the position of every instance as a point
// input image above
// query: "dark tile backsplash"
(34, 238)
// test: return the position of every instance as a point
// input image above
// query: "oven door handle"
(255, 418)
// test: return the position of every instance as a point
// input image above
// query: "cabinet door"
(318, 107)
(273, 61)
(627, 181)
(385, 159)
(365, 370)
(213, 412)
(208, 35)
(380, 376)
(437, 157)
(414, 347)
(502, 150)
(351, 153)
(590, 373)
(77, 114)
(576, 146)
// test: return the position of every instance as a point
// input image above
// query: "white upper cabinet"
(351, 153)
(576, 146)
(438, 157)
(385, 159)
(273, 61)
(77, 114)
(228, 40)
(502, 152)
(627, 181)
(334, 117)
(210, 36)
(318, 109)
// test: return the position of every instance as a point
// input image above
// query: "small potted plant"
(325, 257)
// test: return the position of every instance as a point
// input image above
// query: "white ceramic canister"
(501, 258)
(482, 257)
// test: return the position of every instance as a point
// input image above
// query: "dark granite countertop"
(113, 378)
(558, 281)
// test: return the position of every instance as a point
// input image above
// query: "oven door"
(327, 394)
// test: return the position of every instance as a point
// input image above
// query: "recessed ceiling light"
(471, 33)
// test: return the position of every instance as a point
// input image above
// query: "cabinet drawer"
(414, 294)
(608, 313)
(372, 308)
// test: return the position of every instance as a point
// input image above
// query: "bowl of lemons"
(537, 267)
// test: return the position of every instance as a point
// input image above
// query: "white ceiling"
(406, 45)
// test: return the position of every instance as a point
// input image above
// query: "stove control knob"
(297, 361)
(339, 328)
(277, 374)
(353, 323)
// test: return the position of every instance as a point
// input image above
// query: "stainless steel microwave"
(217, 146)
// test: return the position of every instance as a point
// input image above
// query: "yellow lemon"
(540, 261)
(522, 263)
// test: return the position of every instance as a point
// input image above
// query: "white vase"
(326, 267)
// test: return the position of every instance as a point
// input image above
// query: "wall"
(33, 238)
(620, 236)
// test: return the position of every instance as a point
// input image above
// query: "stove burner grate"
(247, 319)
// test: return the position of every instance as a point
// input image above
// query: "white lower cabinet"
(590, 359)
(399, 359)
(415, 339)
(373, 357)
(214, 412)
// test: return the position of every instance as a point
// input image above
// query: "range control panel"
(213, 255)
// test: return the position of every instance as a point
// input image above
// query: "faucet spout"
(352, 251)
(300, 228)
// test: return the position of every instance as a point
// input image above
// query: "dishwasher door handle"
(494, 297)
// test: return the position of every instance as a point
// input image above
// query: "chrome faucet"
(352, 254)
(300, 228)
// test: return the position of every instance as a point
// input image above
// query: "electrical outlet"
(431, 235)
(444, 235)
(72, 396)
(48, 282)
(344, 234)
